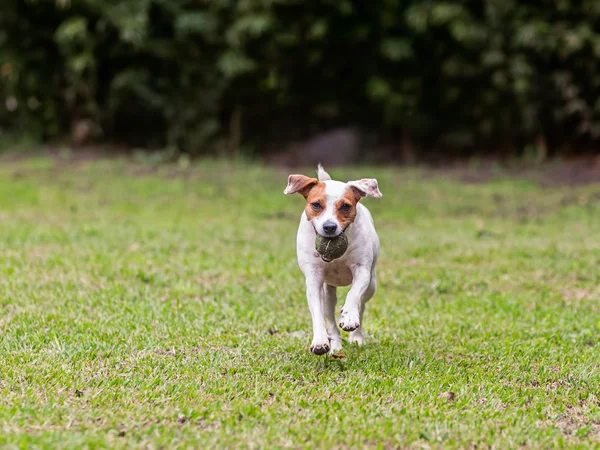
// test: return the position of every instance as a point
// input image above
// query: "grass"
(164, 308)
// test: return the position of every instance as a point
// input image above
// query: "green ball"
(331, 248)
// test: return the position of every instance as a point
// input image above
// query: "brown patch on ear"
(316, 194)
(301, 184)
(357, 193)
(345, 218)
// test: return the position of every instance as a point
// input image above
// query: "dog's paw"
(357, 337)
(319, 349)
(336, 345)
(349, 321)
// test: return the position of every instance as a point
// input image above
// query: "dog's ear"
(364, 187)
(321, 174)
(301, 184)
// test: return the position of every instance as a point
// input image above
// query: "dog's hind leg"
(329, 302)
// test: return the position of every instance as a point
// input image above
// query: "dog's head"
(331, 205)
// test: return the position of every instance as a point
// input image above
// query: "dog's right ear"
(301, 184)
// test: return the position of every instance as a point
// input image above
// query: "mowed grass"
(162, 307)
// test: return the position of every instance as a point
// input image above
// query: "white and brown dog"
(333, 207)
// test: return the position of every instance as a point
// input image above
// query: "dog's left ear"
(364, 187)
(301, 184)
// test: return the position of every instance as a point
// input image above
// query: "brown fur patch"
(300, 183)
(316, 194)
(345, 218)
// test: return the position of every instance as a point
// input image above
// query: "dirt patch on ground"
(569, 172)
(574, 423)
(572, 172)
(576, 172)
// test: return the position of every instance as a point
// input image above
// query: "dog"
(332, 207)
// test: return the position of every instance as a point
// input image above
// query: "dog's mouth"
(325, 259)
(334, 235)
(325, 235)
(330, 236)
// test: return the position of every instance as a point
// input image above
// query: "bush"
(464, 75)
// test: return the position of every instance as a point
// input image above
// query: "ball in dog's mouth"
(331, 248)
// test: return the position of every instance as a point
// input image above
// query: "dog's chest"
(338, 274)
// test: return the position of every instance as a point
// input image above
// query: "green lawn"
(164, 308)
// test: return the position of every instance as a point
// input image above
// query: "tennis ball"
(331, 248)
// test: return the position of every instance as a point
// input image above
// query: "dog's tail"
(321, 174)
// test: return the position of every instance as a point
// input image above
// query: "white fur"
(356, 267)
(321, 174)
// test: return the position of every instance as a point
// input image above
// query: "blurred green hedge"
(494, 74)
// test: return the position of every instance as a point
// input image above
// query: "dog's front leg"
(361, 279)
(314, 292)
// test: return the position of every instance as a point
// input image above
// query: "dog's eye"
(345, 207)
(316, 205)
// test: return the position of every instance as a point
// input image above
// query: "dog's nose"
(329, 227)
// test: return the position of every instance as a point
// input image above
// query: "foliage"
(183, 72)
(137, 312)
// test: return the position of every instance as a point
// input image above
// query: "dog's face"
(331, 205)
